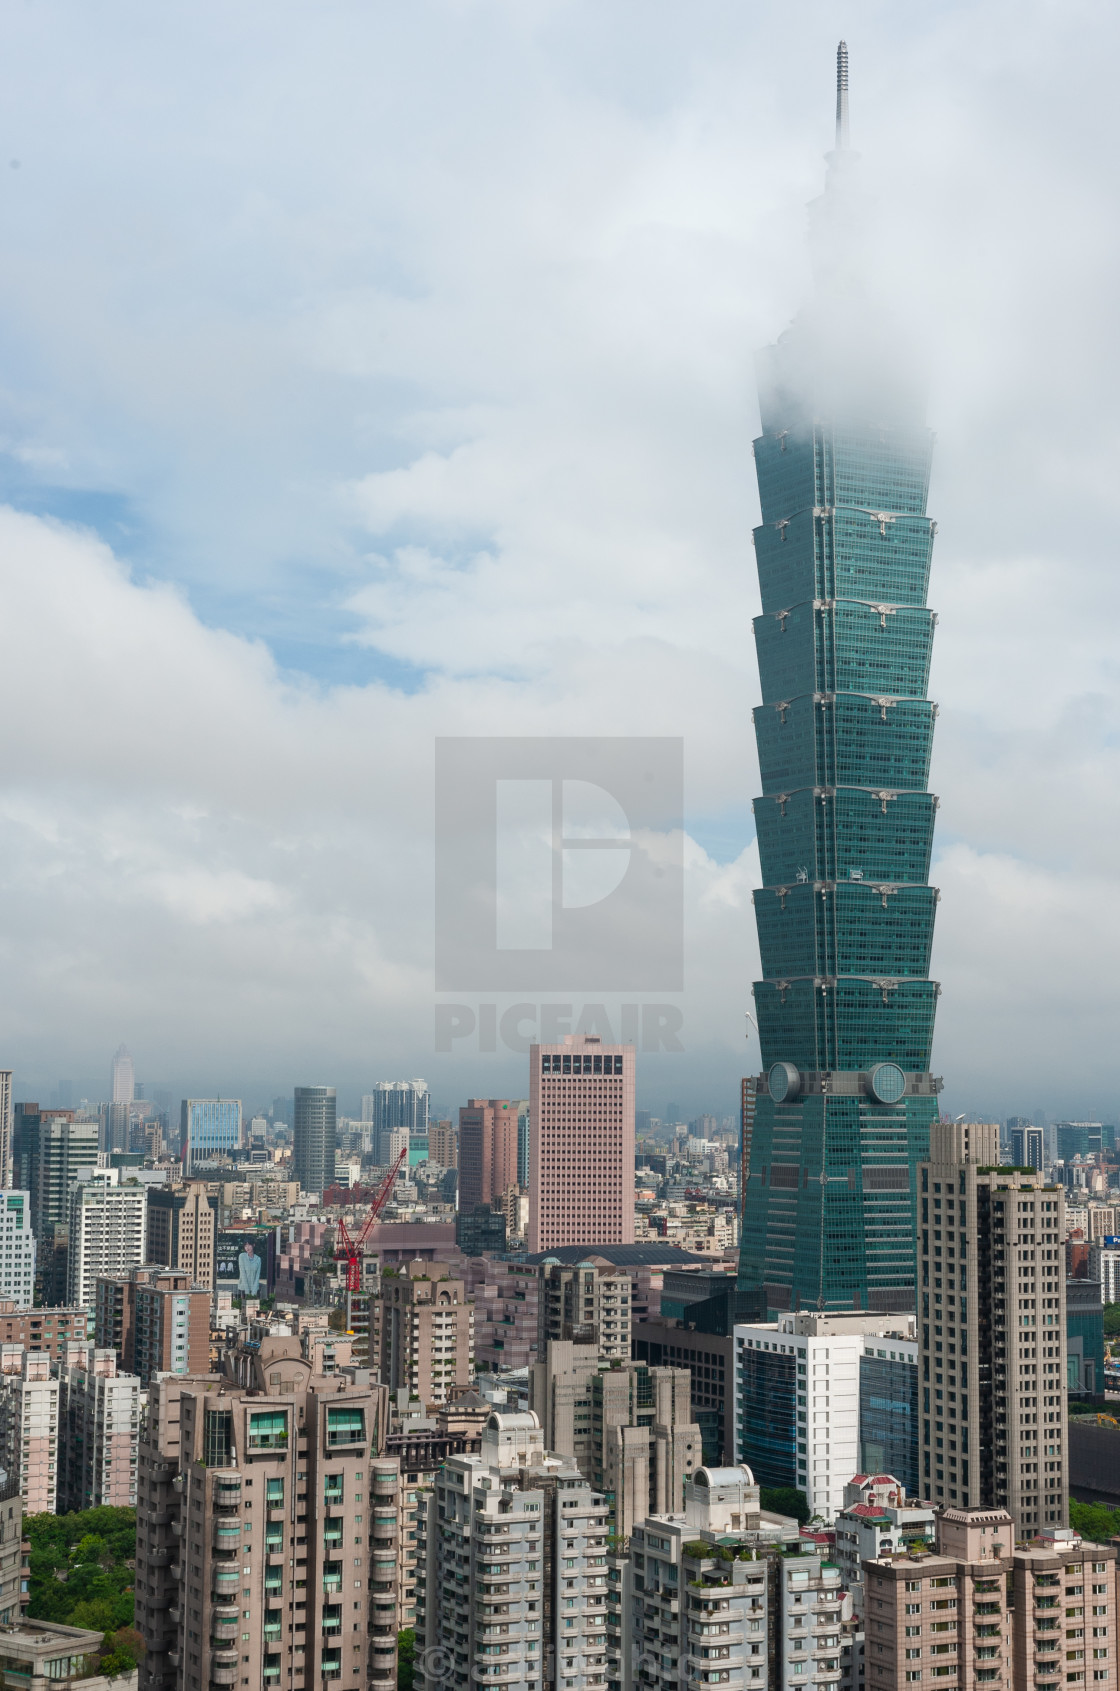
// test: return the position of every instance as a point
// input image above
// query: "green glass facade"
(845, 914)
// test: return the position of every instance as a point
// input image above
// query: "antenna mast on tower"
(842, 96)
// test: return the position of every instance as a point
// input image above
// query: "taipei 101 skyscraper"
(845, 913)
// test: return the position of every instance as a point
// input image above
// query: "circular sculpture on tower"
(784, 1082)
(887, 1083)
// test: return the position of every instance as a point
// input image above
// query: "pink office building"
(581, 1181)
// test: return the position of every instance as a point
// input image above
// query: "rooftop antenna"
(842, 97)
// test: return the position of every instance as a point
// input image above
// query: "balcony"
(158, 1556)
(227, 1537)
(173, 1615)
(221, 1675)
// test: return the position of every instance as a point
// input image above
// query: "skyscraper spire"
(842, 97)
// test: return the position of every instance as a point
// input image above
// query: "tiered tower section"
(845, 827)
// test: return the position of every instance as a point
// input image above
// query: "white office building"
(797, 1400)
(17, 1248)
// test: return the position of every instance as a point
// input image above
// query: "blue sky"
(372, 372)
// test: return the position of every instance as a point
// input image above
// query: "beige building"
(99, 1423)
(992, 1332)
(422, 1333)
(979, 1611)
(443, 1144)
(627, 1427)
(13, 1598)
(182, 1226)
(581, 1153)
(268, 1528)
(589, 1303)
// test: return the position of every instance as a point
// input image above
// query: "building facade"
(845, 820)
(107, 1231)
(397, 1111)
(208, 1127)
(17, 1247)
(514, 1580)
(581, 1184)
(99, 1426)
(313, 1137)
(422, 1333)
(29, 1427)
(443, 1144)
(283, 1570)
(182, 1229)
(992, 1332)
(888, 1410)
(797, 1400)
(487, 1151)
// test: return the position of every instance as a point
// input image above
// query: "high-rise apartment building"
(422, 1333)
(524, 1132)
(156, 1320)
(992, 1332)
(513, 1585)
(581, 1183)
(107, 1231)
(99, 1428)
(984, 1609)
(208, 1127)
(41, 1329)
(627, 1427)
(587, 1302)
(487, 1151)
(17, 1247)
(182, 1229)
(313, 1137)
(29, 1427)
(878, 1519)
(54, 1147)
(845, 821)
(283, 1569)
(798, 1395)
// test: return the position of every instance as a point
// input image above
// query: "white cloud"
(422, 340)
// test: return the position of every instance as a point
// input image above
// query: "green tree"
(406, 1658)
(785, 1500)
(1112, 1319)
(93, 1549)
(1095, 1521)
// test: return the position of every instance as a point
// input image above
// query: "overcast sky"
(373, 372)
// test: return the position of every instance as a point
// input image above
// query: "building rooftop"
(620, 1256)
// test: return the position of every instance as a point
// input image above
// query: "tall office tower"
(115, 1119)
(107, 1231)
(313, 1137)
(1026, 1146)
(182, 1228)
(208, 1127)
(587, 1303)
(845, 821)
(29, 1430)
(443, 1144)
(1078, 1139)
(487, 1151)
(17, 1248)
(992, 1332)
(283, 1571)
(581, 1178)
(124, 1077)
(99, 1426)
(514, 1570)
(422, 1333)
(889, 1413)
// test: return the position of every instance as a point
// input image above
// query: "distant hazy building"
(313, 1137)
(581, 1188)
(395, 1106)
(443, 1144)
(5, 1127)
(208, 1127)
(1026, 1147)
(124, 1076)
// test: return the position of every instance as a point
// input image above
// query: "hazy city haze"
(377, 374)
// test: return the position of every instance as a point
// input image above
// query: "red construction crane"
(351, 1249)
